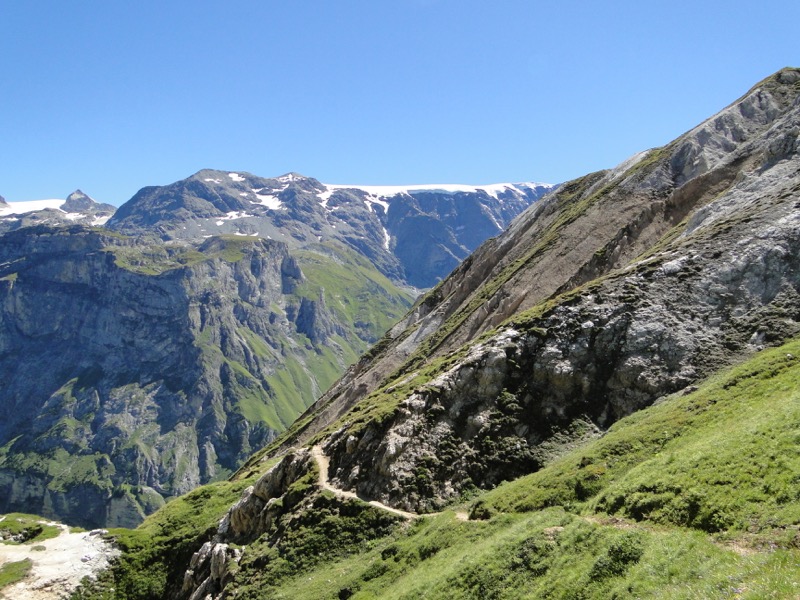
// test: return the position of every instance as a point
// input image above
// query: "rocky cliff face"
(619, 288)
(615, 291)
(134, 372)
(413, 235)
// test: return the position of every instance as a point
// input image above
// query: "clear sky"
(110, 96)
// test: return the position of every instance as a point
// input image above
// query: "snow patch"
(18, 208)
(387, 191)
(386, 238)
(269, 200)
(210, 180)
(232, 215)
(235, 176)
(376, 200)
(325, 196)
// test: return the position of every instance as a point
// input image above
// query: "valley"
(172, 354)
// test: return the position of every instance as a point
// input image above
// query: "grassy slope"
(31, 528)
(695, 497)
(703, 491)
(13, 572)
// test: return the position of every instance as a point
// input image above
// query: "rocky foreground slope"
(619, 289)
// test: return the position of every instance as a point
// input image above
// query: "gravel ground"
(58, 569)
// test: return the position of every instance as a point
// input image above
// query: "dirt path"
(58, 569)
(323, 463)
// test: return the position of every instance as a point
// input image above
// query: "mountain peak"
(3, 201)
(79, 202)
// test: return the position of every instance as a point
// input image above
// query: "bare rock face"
(78, 202)
(257, 509)
(680, 261)
(255, 514)
(135, 372)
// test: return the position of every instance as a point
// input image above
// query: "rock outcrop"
(78, 202)
(258, 512)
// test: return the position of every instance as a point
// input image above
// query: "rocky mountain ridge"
(704, 271)
(181, 337)
(618, 290)
(414, 234)
(78, 208)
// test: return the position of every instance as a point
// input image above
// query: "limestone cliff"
(135, 372)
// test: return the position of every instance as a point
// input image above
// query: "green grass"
(547, 554)
(156, 259)
(694, 497)
(687, 482)
(31, 528)
(13, 572)
(353, 289)
(724, 458)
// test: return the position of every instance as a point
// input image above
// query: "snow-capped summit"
(78, 208)
(415, 234)
(495, 190)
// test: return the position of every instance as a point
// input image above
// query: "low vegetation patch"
(19, 528)
(13, 572)
(156, 554)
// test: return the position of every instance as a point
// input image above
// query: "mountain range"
(150, 352)
(77, 208)
(414, 234)
(601, 402)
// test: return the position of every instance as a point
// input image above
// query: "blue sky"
(110, 96)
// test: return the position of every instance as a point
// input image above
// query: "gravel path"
(58, 569)
(323, 463)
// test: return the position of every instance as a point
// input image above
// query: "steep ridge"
(624, 289)
(716, 286)
(587, 228)
(135, 372)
